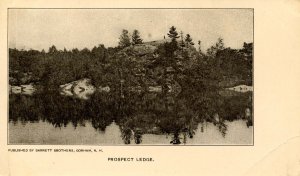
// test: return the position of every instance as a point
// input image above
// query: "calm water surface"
(192, 118)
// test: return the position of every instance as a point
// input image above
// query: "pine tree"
(173, 33)
(173, 45)
(124, 39)
(136, 39)
(189, 40)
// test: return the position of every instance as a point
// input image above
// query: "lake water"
(190, 118)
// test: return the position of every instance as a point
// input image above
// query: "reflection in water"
(145, 118)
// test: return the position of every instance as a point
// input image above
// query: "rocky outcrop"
(140, 49)
(144, 72)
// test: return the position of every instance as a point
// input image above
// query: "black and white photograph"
(135, 76)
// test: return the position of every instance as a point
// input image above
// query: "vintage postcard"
(141, 76)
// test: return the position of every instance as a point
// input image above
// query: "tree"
(199, 46)
(247, 50)
(181, 42)
(85, 51)
(75, 51)
(220, 44)
(189, 40)
(212, 51)
(136, 39)
(99, 53)
(173, 33)
(173, 45)
(52, 50)
(124, 39)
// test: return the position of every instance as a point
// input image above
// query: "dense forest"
(171, 61)
(191, 82)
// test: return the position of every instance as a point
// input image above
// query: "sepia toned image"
(130, 76)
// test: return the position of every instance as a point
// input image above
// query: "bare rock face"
(81, 88)
(158, 42)
(139, 49)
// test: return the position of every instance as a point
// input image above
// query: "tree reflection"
(135, 114)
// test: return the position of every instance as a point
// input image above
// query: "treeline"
(57, 67)
(219, 66)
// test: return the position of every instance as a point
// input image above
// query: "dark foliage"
(136, 38)
(221, 67)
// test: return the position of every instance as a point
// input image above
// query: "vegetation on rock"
(164, 63)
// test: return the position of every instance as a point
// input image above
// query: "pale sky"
(79, 28)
